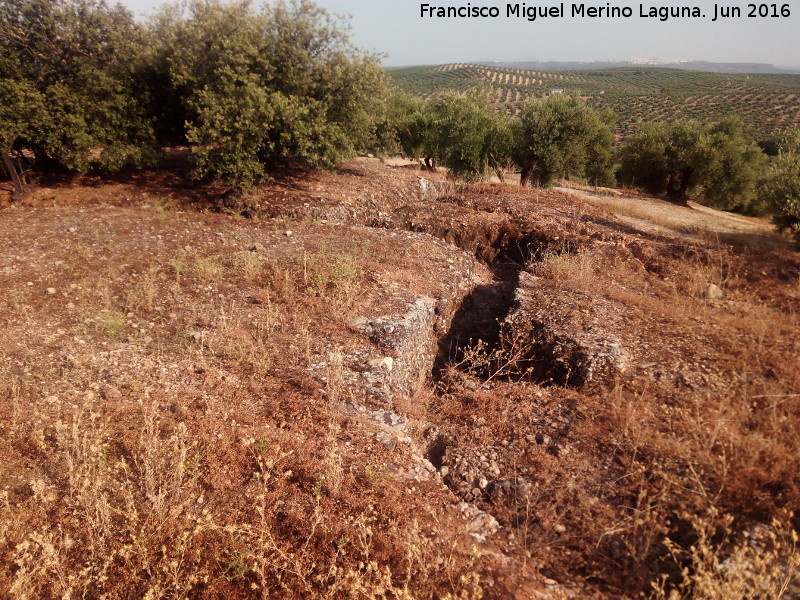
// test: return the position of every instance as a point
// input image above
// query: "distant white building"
(557, 91)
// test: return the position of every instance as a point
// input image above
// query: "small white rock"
(288, 232)
(386, 363)
(713, 292)
(50, 291)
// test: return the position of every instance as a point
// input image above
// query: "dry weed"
(580, 267)
(118, 520)
(762, 563)
(141, 293)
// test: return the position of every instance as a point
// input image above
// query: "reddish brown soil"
(172, 382)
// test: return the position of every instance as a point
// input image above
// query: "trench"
(476, 326)
(478, 331)
(505, 247)
(476, 342)
(480, 325)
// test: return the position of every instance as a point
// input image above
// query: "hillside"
(766, 103)
(389, 385)
(688, 65)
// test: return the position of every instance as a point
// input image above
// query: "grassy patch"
(110, 323)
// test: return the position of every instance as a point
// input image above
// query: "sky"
(397, 29)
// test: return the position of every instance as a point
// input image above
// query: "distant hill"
(686, 65)
(767, 103)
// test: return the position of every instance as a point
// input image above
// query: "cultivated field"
(767, 104)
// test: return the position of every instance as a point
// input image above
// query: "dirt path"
(692, 221)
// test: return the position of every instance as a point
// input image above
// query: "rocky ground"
(378, 383)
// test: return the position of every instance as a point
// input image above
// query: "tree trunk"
(497, 168)
(19, 191)
(678, 185)
(526, 174)
(686, 180)
(430, 164)
(672, 184)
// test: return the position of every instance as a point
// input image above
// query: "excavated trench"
(460, 343)
(506, 246)
(483, 321)
(480, 341)
(481, 336)
(483, 329)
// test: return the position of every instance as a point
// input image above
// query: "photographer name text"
(663, 12)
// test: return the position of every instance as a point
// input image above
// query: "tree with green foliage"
(559, 137)
(686, 160)
(405, 127)
(730, 170)
(643, 159)
(685, 154)
(467, 135)
(663, 158)
(68, 84)
(17, 109)
(601, 168)
(263, 87)
(780, 186)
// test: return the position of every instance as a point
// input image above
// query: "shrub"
(559, 137)
(257, 88)
(68, 84)
(780, 186)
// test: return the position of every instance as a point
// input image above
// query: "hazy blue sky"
(395, 27)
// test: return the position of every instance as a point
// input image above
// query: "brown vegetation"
(188, 410)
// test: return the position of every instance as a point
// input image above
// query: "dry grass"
(697, 222)
(121, 516)
(582, 266)
(115, 514)
(162, 438)
(164, 435)
(762, 563)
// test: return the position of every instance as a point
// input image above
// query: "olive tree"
(68, 85)
(686, 160)
(780, 186)
(601, 168)
(406, 125)
(466, 135)
(730, 171)
(260, 87)
(664, 158)
(558, 137)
